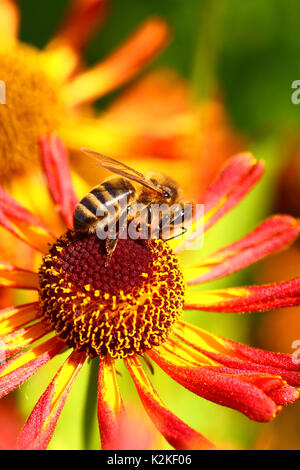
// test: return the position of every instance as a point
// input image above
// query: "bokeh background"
(245, 55)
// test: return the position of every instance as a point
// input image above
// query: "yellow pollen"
(32, 109)
(119, 311)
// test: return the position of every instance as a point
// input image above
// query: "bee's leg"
(184, 230)
(148, 241)
(110, 245)
(148, 362)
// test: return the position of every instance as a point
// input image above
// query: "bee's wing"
(123, 170)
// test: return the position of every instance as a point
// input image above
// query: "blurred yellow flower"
(45, 89)
(51, 91)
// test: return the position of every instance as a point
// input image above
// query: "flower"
(277, 329)
(48, 89)
(134, 307)
(136, 432)
(10, 422)
(52, 91)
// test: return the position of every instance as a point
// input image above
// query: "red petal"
(14, 317)
(41, 424)
(18, 340)
(265, 382)
(285, 395)
(238, 177)
(11, 421)
(274, 234)
(12, 276)
(175, 431)
(82, 20)
(223, 389)
(247, 299)
(59, 178)
(17, 370)
(292, 377)
(23, 224)
(283, 361)
(239, 356)
(110, 405)
(268, 371)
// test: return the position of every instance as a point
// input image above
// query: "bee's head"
(172, 192)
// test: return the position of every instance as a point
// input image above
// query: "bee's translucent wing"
(123, 170)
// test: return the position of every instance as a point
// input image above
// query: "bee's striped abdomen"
(85, 213)
(117, 189)
(90, 203)
(103, 203)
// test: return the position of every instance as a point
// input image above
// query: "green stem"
(90, 407)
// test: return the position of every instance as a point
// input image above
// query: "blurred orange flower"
(154, 121)
(10, 422)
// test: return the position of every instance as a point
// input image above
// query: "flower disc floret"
(119, 310)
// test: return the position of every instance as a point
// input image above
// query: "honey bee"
(116, 197)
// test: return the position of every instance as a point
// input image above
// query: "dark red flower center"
(121, 309)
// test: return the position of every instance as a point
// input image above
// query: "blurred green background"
(252, 45)
(249, 51)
